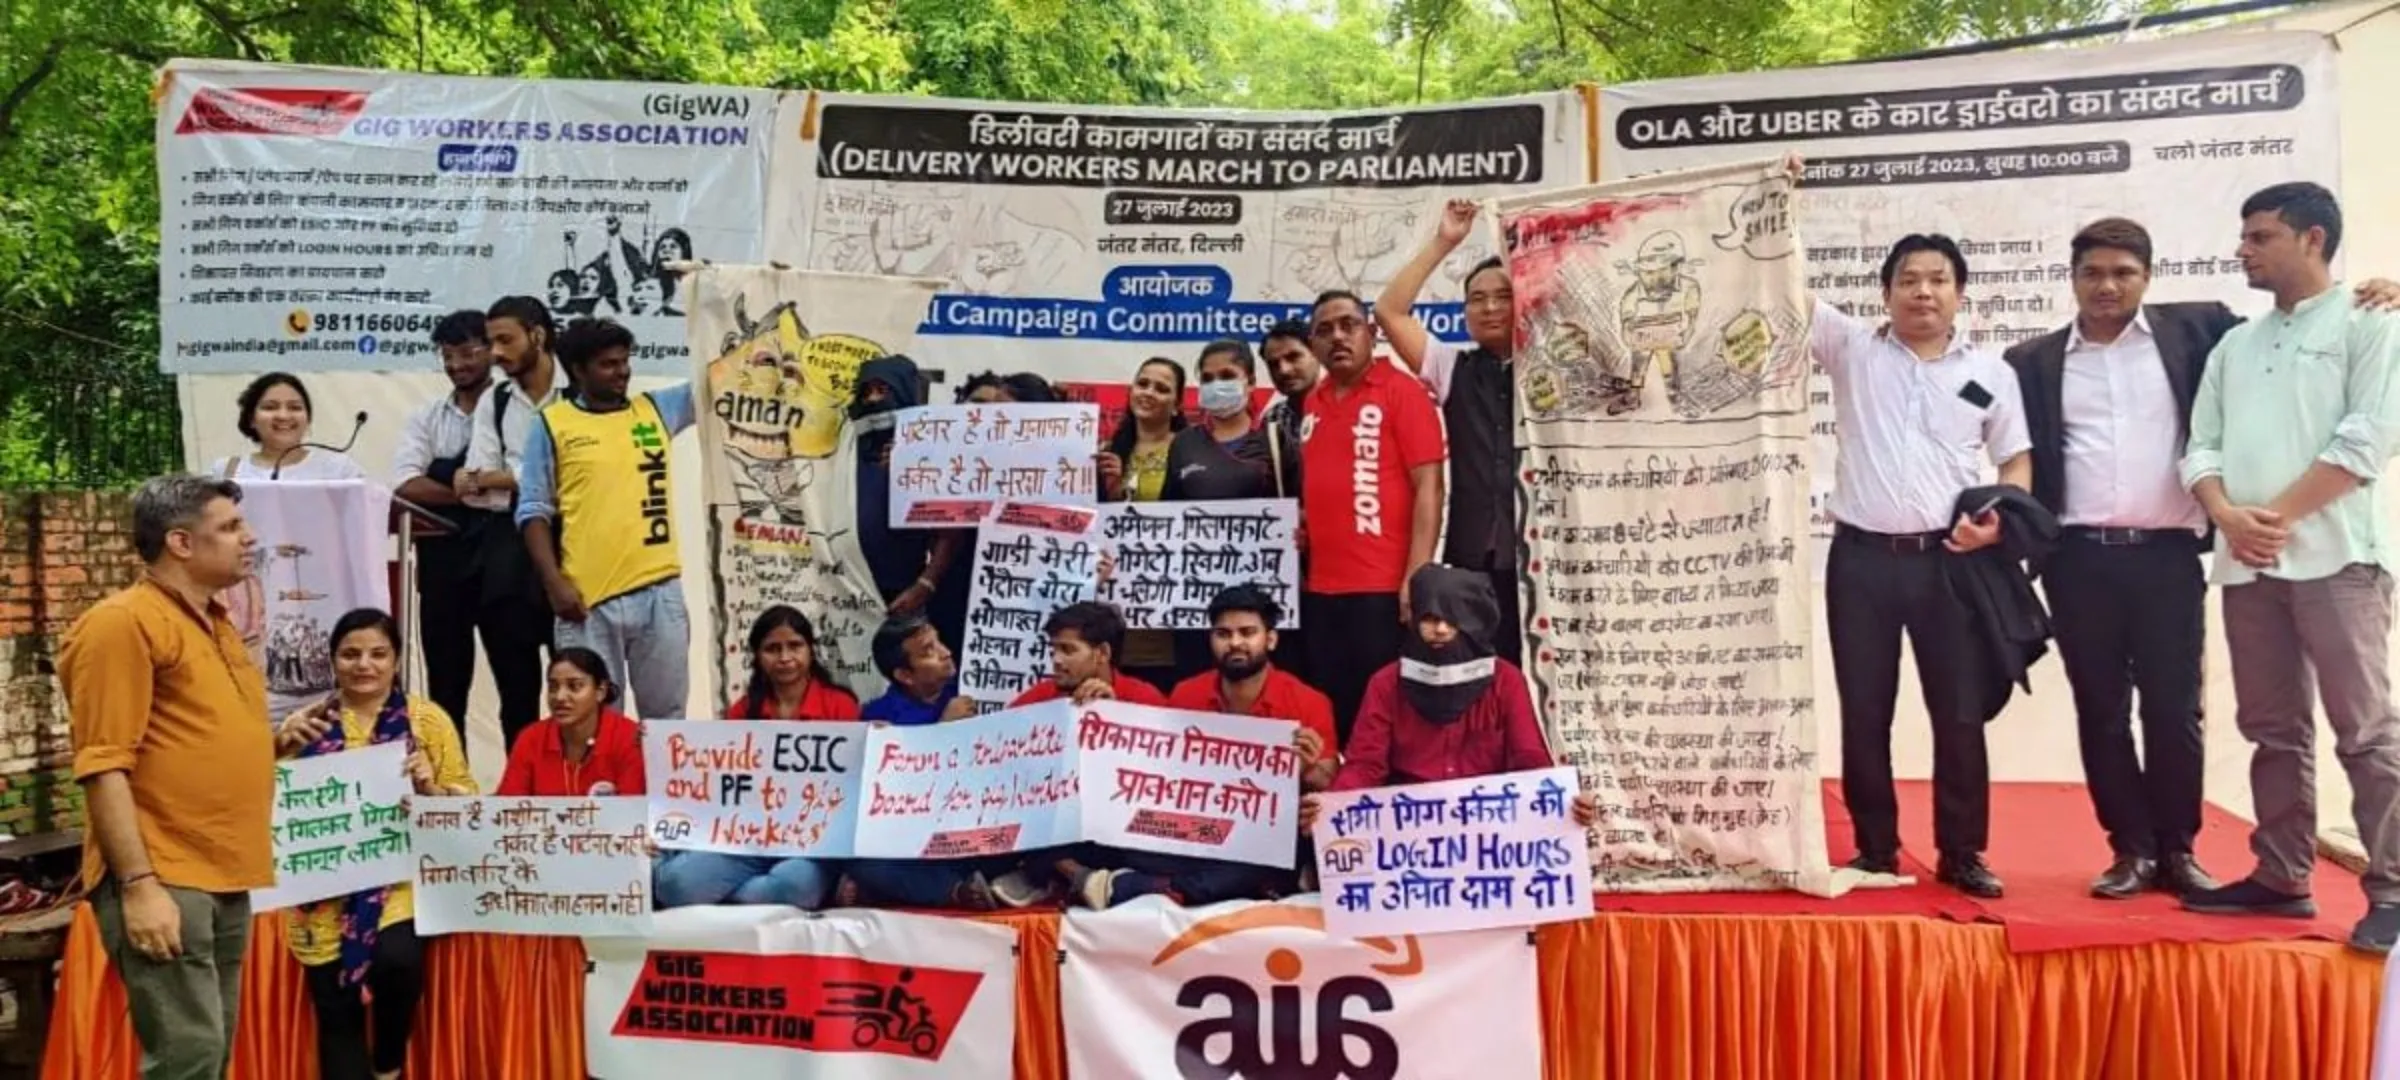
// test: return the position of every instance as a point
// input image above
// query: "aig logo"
(1245, 1027)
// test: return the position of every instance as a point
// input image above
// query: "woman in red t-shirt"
(788, 679)
(583, 747)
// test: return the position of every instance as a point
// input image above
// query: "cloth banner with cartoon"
(777, 354)
(320, 555)
(1662, 329)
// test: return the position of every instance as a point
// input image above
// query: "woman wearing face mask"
(275, 413)
(366, 943)
(1230, 456)
(1134, 469)
(585, 746)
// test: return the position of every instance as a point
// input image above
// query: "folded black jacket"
(1997, 590)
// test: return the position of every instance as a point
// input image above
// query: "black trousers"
(1873, 592)
(1351, 636)
(397, 978)
(451, 615)
(2131, 617)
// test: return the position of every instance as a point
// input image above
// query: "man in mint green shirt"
(2297, 415)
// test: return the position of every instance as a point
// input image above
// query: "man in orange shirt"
(178, 773)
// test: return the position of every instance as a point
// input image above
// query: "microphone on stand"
(356, 425)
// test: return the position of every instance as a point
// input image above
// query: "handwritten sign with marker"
(1456, 855)
(575, 866)
(952, 463)
(753, 787)
(1030, 560)
(1189, 783)
(1173, 558)
(338, 825)
(1001, 782)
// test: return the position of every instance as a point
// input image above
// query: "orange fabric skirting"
(1637, 997)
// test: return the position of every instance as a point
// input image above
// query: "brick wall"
(59, 552)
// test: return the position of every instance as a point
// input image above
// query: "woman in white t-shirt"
(274, 415)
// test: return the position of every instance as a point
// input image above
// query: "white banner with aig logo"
(1256, 990)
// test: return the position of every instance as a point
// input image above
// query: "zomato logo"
(270, 110)
(1295, 1033)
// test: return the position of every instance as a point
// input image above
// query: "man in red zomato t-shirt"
(1370, 501)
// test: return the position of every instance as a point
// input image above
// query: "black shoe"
(1968, 875)
(2247, 897)
(2126, 878)
(2376, 933)
(1874, 864)
(2181, 875)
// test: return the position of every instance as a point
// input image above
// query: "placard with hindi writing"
(952, 463)
(1190, 783)
(1173, 558)
(987, 785)
(339, 825)
(1029, 561)
(573, 866)
(753, 787)
(1467, 854)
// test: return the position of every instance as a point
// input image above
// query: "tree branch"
(233, 28)
(42, 70)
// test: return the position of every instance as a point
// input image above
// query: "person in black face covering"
(916, 571)
(1448, 709)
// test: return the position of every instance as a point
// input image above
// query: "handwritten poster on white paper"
(568, 866)
(753, 787)
(992, 784)
(339, 826)
(1173, 558)
(952, 463)
(1029, 561)
(1189, 783)
(1456, 855)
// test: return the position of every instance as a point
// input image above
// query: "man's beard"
(1239, 666)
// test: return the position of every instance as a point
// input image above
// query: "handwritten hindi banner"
(1000, 782)
(952, 463)
(1666, 484)
(1456, 855)
(574, 866)
(1190, 783)
(754, 787)
(1173, 558)
(339, 825)
(1029, 561)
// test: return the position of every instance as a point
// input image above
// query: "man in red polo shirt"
(1085, 641)
(1370, 501)
(1247, 683)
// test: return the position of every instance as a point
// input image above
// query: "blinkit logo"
(1290, 1037)
(1366, 470)
(652, 445)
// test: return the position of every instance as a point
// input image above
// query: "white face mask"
(1223, 398)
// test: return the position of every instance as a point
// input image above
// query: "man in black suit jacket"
(2108, 403)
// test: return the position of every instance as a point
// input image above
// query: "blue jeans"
(1201, 882)
(694, 878)
(924, 883)
(645, 638)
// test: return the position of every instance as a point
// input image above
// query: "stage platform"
(1917, 983)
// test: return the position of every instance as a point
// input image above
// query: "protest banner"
(1173, 558)
(951, 464)
(776, 358)
(753, 787)
(572, 866)
(1253, 990)
(1473, 854)
(322, 220)
(764, 994)
(1029, 561)
(339, 826)
(1081, 237)
(1000, 782)
(1663, 338)
(320, 555)
(1189, 783)
(2010, 154)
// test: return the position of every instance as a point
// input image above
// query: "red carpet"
(2047, 847)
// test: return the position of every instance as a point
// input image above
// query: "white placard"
(1472, 854)
(1029, 561)
(754, 787)
(571, 866)
(1172, 559)
(1189, 783)
(340, 825)
(988, 785)
(953, 464)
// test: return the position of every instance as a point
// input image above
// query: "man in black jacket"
(2108, 401)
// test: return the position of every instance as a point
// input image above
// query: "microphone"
(357, 425)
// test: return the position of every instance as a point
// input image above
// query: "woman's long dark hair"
(1121, 441)
(761, 695)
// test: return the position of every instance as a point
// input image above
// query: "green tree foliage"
(81, 402)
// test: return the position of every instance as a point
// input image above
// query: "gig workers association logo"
(1287, 1036)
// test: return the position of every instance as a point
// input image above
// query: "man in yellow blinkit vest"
(595, 502)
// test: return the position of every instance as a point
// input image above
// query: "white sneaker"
(1016, 889)
(1093, 888)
